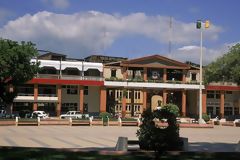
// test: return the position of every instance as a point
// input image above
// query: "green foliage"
(111, 102)
(205, 117)
(225, 68)
(15, 67)
(172, 108)
(105, 115)
(158, 139)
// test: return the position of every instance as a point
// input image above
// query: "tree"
(15, 68)
(225, 68)
(111, 102)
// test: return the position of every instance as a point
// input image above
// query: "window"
(128, 94)
(210, 94)
(69, 107)
(217, 94)
(236, 111)
(194, 76)
(137, 108)
(228, 111)
(85, 90)
(113, 73)
(85, 107)
(128, 108)
(118, 94)
(118, 108)
(228, 92)
(210, 111)
(72, 89)
(137, 95)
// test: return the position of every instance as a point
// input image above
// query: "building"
(62, 85)
(123, 86)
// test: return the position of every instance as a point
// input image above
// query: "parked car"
(72, 114)
(40, 114)
(2, 113)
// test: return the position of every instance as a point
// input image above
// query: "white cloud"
(89, 32)
(188, 48)
(192, 53)
(60, 4)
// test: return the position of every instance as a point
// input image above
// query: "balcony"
(69, 77)
(139, 83)
(150, 81)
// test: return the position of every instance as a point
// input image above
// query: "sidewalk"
(221, 138)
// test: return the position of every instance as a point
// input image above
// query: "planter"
(237, 124)
(216, 122)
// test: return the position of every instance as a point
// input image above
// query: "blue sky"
(128, 28)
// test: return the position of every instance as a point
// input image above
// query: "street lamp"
(199, 26)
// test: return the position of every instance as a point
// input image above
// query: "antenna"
(170, 36)
(104, 38)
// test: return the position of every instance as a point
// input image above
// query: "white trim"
(151, 85)
(89, 65)
(24, 99)
(49, 63)
(71, 64)
(47, 99)
(68, 64)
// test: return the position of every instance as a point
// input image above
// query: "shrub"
(172, 108)
(155, 138)
(205, 117)
(104, 116)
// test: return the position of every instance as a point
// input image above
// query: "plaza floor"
(221, 138)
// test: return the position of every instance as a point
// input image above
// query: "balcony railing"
(223, 84)
(69, 77)
(149, 81)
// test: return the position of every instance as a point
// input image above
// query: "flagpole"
(200, 121)
(199, 26)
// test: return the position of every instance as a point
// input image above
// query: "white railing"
(223, 84)
(70, 77)
(151, 85)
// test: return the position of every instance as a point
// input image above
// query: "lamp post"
(199, 26)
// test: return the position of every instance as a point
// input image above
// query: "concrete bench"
(227, 123)
(27, 122)
(97, 122)
(113, 123)
(7, 122)
(54, 122)
(81, 122)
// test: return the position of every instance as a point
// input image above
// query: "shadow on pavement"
(212, 147)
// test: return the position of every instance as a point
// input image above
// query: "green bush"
(156, 138)
(172, 108)
(205, 117)
(104, 116)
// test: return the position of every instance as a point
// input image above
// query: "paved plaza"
(221, 138)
